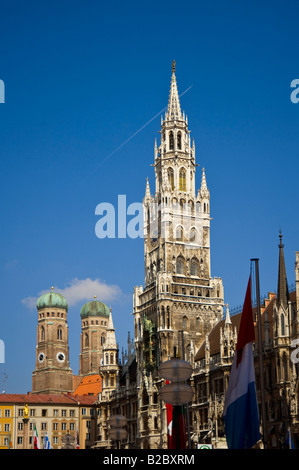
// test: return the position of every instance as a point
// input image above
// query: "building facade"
(279, 327)
(65, 420)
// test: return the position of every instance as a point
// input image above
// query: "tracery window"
(179, 141)
(171, 178)
(182, 180)
(171, 141)
(180, 265)
(194, 267)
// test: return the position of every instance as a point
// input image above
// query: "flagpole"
(260, 346)
(187, 406)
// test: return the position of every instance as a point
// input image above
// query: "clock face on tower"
(41, 357)
(60, 357)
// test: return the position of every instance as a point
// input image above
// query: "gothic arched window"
(185, 323)
(86, 340)
(163, 317)
(182, 180)
(103, 339)
(180, 265)
(193, 235)
(42, 334)
(179, 233)
(179, 141)
(194, 267)
(59, 333)
(171, 178)
(282, 325)
(171, 141)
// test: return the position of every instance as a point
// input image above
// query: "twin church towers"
(179, 303)
(52, 372)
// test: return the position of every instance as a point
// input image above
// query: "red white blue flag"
(240, 409)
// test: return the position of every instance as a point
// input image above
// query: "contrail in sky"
(132, 136)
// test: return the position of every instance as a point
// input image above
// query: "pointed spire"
(282, 287)
(147, 189)
(110, 338)
(227, 316)
(203, 180)
(174, 107)
(204, 192)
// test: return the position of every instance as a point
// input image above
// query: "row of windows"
(94, 322)
(180, 235)
(194, 266)
(44, 426)
(172, 140)
(44, 412)
(182, 179)
(52, 314)
(5, 442)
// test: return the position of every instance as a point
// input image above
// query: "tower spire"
(147, 189)
(174, 107)
(282, 287)
(110, 339)
(227, 316)
(204, 181)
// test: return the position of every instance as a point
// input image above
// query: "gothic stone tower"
(52, 372)
(180, 302)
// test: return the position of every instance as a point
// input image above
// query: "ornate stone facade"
(180, 302)
(279, 325)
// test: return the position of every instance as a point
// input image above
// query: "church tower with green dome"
(52, 372)
(94, 321)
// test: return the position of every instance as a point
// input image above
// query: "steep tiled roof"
(36, 398)
(89, 385)
(47, 399)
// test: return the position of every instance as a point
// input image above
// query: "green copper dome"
(95, 308)
(52, 299)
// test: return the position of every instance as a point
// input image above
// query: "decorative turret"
(281, 306)
(109, 368)
(282, 286)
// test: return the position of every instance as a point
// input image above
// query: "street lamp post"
(176, 393)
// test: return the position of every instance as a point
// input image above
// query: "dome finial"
(52, 288)
(94, 296)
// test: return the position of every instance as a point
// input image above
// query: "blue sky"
(80, 79)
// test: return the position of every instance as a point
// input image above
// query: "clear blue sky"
(80, 79)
